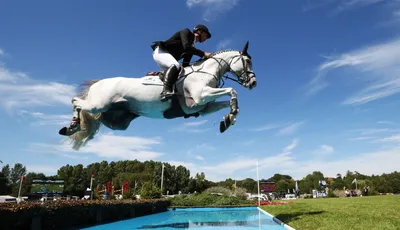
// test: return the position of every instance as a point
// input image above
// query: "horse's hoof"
(224, 125)
(63, 131)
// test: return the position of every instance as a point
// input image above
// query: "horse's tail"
(90, 123)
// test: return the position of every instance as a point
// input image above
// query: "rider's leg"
(167, 62)
(170, 78)
(164, 59)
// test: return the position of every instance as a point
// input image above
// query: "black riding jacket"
(180, 45)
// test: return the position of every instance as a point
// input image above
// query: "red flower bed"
(272, 202)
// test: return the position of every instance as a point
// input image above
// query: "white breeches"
(163, 59)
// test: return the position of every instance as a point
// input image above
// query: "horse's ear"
(246, 46)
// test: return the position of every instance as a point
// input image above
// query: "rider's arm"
(188, 47)
(186, 60)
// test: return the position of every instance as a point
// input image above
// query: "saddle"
(160, 74)
(175, 110)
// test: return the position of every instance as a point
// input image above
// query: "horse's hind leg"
(78, 105)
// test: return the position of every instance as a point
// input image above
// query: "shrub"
(219, 189)
(150, 192)
(74, 214)
(241, 193)
(207, 200)
(331, 194)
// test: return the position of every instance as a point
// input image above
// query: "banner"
(125, 186)
(108, 186)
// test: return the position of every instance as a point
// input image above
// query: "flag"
(125, 186)
(354, 181)
(108, 186)
(22, 178)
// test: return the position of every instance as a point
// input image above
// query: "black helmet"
(203, 28)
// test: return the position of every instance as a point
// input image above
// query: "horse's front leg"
(214, 106)
(211, 94)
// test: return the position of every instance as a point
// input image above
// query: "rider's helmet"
(203, 28)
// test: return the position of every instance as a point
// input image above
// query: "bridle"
(243, 78)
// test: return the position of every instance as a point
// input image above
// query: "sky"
(327, 96)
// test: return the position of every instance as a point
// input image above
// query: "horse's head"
(241, 66)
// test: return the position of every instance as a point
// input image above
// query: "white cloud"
(46, 119)
(362, 138)
(36, 94)
(7, 75)
(198, 157)
(45, 169)
(388, 10)
(341, 5)
(194, 123)
(367, 163)
(188, 165)
(290, 147)
(246, 166)
(291, 128)
(386, 122)
(267, 127)
(371, 133)
(18, 90)
(287, 163)
(202, 148)
(212, 8)
(353, 4)
(191, 127)
(390, 139)
(224, 44)
(108, 146)
(378, 64)
(288, 128)
(324, 149)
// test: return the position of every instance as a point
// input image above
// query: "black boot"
(171, 76)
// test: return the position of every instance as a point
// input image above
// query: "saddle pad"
(151, 80)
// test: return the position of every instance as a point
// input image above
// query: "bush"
(331, 194)
(150, 192)
(208, 200)
(74, 214)
(239, 193)
(220, 190)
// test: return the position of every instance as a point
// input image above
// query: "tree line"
(178, 179)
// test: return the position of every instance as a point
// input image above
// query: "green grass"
(367, 213)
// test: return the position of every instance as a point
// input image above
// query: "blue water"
(200, 218)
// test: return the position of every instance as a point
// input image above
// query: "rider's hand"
(207, 54)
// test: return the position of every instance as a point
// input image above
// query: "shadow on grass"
(286, 218)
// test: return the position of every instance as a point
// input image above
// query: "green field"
(367, 213)
(49, 188)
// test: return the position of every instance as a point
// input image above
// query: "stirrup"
(166, 95)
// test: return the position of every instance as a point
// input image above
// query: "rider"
(181, 45)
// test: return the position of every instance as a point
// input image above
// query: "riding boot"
(170, 78)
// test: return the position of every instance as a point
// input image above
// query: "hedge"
(75, 214)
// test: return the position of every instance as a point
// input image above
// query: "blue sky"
(327, 96)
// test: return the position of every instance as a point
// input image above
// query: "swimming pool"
(199, 218)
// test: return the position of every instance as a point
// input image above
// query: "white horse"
(115, 102)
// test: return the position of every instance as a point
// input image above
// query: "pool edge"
(278, 221)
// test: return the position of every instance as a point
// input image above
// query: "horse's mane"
(200, 61)
(84, 88)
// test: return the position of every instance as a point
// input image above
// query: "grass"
(367, 213)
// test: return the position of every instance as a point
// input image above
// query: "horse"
(116, 101)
